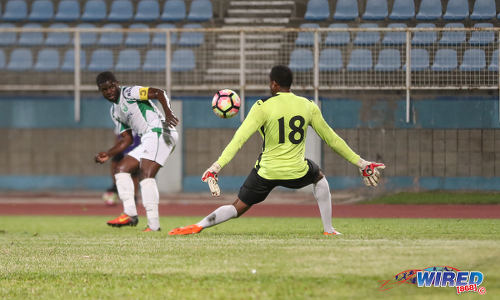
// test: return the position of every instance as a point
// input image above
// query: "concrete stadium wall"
(451, 143)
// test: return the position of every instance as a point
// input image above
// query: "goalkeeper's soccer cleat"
(124, 220)
(190, 229)
(335, 232)
(147, 229)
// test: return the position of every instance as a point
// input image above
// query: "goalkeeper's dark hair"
(282, 75)
(105, 76)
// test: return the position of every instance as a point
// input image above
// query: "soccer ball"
(110, 198)
(226, 104)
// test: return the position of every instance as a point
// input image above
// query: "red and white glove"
(210, 177)
(370, 171)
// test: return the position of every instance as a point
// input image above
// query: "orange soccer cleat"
(124, 220)
(335, 232)
(147, 229)
(190, 229)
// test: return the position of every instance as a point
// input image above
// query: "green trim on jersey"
(282, 121)
(144, 106)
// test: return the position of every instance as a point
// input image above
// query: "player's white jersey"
(135, 111)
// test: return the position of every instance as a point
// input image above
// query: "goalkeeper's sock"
(321, 192)
(221, 214)
(125, 187)
(150, 200)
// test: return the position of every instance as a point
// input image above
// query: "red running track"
(266, 210)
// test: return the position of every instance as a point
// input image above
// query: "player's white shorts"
(154, 147)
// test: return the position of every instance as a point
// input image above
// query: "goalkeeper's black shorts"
(256, 188)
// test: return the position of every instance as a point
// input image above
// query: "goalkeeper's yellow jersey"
(282, 121)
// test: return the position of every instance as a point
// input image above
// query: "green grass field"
(81, 258)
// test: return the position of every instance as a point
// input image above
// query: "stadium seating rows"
(98, 11)
(132, 39)
(319, 10)
(361, 59)
(477, 38)
(51, 59)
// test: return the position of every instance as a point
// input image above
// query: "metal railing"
(323, 59)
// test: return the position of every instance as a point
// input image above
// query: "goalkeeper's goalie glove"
(210, 177)
(370, 171)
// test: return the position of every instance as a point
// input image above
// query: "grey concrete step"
(219, 46)
(264, 11)
(263, 3)
(250, 36)
(248, 53)
(260, 21)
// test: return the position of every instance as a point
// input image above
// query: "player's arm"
(161, 96)
(252, 122)
(125, 139)
(369, 170)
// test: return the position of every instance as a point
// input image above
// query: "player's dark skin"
(242, 207)
(148, 168)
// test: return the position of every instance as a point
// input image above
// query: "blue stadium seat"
(484, 10)
(346, 10)
(360, 60)
(68, 11)
(183, 60)
(192, 39)
(147, 11)
(154, 60)
(375, 10)
(7, 38)
(32, 38)
(301, 60)
(174, 11)
(200, 11)
(111, 38)
(47, 60)
(473, 60)
(330, 60)
(424, 37)
(2, 59)
(94, 11)
(15, 11)
(457, 10)
(388, 60)
(137, 38)
(419, 60)
(21, 59)
(453, 37)
(317, 10)
(445, 60)
(68, 64)
(367, 37)
(482, 38)
(306, 38)
(128, 60)
(58, 38)
(159, 39)
(396, 37)
(429, 10)
(121, 11)
(87, 38)
(41, 11)
(101, 60)
(493, 66)
(338, 38)
(402, 10)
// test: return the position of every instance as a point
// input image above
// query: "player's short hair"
(105, 76)
(282, 75)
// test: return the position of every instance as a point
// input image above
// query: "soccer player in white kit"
(133, 110)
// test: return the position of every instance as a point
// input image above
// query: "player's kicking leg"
(321, 192)
(125, 187)
(221, 214)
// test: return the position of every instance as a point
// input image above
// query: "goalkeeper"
(282, 120)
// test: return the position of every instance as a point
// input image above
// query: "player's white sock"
(321, 192)
(125, 187)
(150, 200)
(219, 215)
